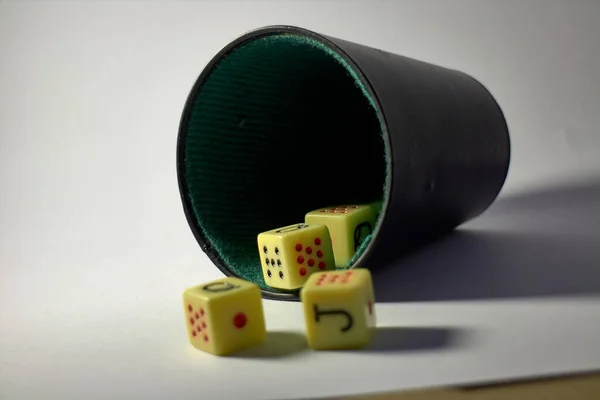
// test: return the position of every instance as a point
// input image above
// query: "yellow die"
(289, 255)
(348, 227)
(224, 316)
(339, 309)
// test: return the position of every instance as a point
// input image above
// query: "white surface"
(95, 251)
(93, 351)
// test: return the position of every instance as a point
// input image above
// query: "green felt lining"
(281, 126)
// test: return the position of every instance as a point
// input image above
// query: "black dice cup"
(283, 121)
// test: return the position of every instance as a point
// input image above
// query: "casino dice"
(224, 316)
(348, 226)
(289, 255)
(339, 309)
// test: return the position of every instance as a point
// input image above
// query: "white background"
(95, 250)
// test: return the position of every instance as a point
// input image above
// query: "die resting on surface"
(224, 316)
(339, 309)
(348, 227)
(289, 255)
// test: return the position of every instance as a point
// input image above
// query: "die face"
(365, 283)
(238, 321)
(335, 321)
(273, 260)
(220, 288)
(224, 315)
(370, 304)
(339, 309)
(289, 255)
(342, 280)
(197, 322)
(348, 226)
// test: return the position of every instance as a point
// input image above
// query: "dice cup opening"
(284, 120)
(278, 125)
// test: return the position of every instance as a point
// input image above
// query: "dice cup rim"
(195, 227)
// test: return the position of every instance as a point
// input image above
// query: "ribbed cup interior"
(281, 126)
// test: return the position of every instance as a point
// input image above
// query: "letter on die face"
(348, 227)
(224, 316)
(339, 309)
(289, 255)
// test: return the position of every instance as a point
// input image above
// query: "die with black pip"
(289, 255)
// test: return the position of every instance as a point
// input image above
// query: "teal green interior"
(281, 126)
